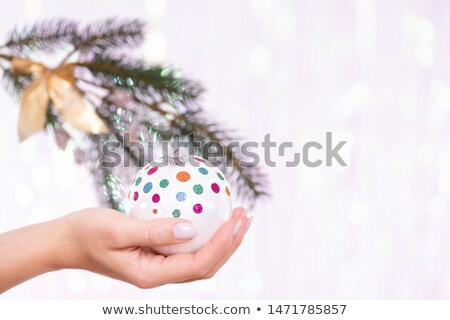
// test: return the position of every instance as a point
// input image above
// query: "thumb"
(159, 232)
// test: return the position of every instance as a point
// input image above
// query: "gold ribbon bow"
(58, 86)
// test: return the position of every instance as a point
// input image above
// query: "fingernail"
(184, 231)
(248, 224)
(236, 228)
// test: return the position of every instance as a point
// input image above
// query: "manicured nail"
(236, 228)
(184, 231)
(248, 224)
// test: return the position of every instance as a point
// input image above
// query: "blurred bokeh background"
(375, 73)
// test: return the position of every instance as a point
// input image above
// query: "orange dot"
(155, 211)
(227, 191)
(183, 176)
(147, 166)
(129, 193)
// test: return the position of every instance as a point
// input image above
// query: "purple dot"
(197, 208)
(156, 198)
(135, 195)
(215, 187)
(152, 170)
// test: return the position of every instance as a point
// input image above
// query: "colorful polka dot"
(138, 181)
(198, 189)
(183, 176)
(164, 183)
(181, 196)
(176, 213)
(156, 198)
(215, 187)
(129, 194)
(227, 191)
(155, 211)
(203, 170)
(197, 208)
(147, 166)
(152, 170)
(220, 176)
(147, 187)
(135, 195)
(199, 159)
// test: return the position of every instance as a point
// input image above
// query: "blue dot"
(203, 170)
(181, 196)
(148, 186)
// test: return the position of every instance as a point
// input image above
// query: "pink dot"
(156, 198)
(152, 170)
(135, 195)
(215, 187)
(197, 208)
(199, 159)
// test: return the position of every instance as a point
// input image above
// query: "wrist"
(61, 243)
(55, 231)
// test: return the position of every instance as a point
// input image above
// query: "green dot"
(176, 213)
(138, 180)
(220, 176)
(164, 183)
(198, 189)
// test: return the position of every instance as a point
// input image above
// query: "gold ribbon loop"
(26, 67)
(58, 86)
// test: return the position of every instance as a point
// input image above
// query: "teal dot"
(198, 189)
(220, 176)
(164, 183)
(147, 187)
(176, 213)
(203, 170)
(138, 181)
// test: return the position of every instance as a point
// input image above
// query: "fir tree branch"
(47, 35)
(108, 34)
(137, 76)
(112, 33)
(53, 34)
(108, 184)
(105, 115)
(6, 57)
(251, 182)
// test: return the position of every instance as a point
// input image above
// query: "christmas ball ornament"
(189, 188)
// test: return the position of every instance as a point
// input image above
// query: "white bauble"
(192, 189)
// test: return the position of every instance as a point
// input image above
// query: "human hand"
(105, 241)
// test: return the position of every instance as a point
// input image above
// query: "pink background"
(375, 73)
